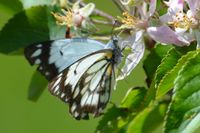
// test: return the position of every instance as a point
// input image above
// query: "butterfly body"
(81, 72)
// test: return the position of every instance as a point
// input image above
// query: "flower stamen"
(182, 20)
(129, 20)
(66, 19)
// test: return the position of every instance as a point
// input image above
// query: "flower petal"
(194, 5)
(87, 10)
(152, 7)
(135, 56)
(76, 7)
(168, 17)
(174, 7)
(164, 34)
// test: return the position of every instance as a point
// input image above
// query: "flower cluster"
(141, 20)
(76, 17)
(179, 25)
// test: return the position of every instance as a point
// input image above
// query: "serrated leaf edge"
(184, 57)
(169, 107)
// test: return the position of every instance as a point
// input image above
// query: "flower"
(194, 11)
(75, 17)
(184, 24)
(136, 43)
(165, 34)
(137, 26)
(64, 20)
(194, 7)
(131, 22)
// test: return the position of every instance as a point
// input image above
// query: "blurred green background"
(48, 114)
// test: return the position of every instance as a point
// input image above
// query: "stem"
(101, 22)
(101, 13)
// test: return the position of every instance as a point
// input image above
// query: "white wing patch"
(52, 57)
(77, 70)
(36, 53)
(86, 84)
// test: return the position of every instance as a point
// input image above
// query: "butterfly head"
(115, 40)
(114, 44)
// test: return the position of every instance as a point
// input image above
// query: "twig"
(101, 13)
(105, 15)
(101, 22)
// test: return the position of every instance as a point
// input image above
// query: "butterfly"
(81, 72)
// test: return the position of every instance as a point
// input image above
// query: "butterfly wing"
(86, 84)
(54, 56)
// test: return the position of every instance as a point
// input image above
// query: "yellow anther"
(181, 20)
(129, 20)
(66, 19)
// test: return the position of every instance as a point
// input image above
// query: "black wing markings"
(66, 92)
(42, 59)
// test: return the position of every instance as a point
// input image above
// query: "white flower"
(76, 17)
(136, 43)
(184, 24)
(137, 26)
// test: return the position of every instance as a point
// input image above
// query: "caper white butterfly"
(81, 71)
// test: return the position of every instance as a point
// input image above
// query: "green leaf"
(151, 93)
(167, 63)
(30, 3)
(137, 124)
(37, 86)
(167, 81)
(116, 119)
(186, 49)
(8, 8)
(168, 60)
(148, 120)
(154, 59)
(25, 28)
(184, 109)
(113, 120)
(134, 98)
(30, 26)
(154, 121)
(150, 65)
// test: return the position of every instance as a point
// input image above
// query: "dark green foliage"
(24, 28)
(33, 25)
(185, 101)
(37, 86)
(154, 59)
(113, 121)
